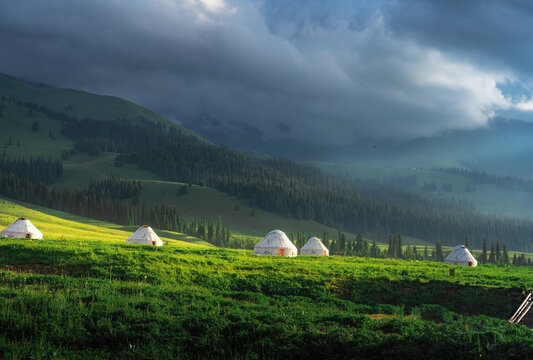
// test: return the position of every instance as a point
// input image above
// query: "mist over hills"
(503, 147)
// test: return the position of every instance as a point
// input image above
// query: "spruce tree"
(358, 249)
(408, 253)
(492, 255)
(374, 250)
(483, 258)
(399, 249)
(438, 252)
(505, 255)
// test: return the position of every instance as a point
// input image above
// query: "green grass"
(16, 124)
(59, 225)
(81, 167)
(107, 300)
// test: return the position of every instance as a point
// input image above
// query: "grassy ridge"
(79, 103)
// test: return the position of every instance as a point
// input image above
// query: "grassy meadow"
(106, 300)
(57, 225)
(82, 293)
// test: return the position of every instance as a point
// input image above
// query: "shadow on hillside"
(463, 299)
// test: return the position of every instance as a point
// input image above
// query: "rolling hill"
(80, 103)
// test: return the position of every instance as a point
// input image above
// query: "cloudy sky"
(316, 71)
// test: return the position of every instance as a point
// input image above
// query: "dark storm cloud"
(491, 32)
(314, 71)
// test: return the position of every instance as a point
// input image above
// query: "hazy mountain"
(505, 147)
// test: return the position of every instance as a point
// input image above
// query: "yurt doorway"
(281, 252)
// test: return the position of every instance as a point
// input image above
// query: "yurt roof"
(315, 244)
(460, 253)
(276, 239)
(23, 226)
(146, 233)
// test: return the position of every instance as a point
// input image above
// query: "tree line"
(46, 170)
(114, 187)
(482, 178)
(395, 249)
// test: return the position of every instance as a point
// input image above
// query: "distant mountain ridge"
(505, 147)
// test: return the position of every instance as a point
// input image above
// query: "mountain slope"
(80, 103)
(18, 139)
(201, 202)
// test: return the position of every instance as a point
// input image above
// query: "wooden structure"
(524, 314)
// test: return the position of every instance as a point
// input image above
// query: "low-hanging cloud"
(298, 70)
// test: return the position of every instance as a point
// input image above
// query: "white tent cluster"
(278, 244)
(22, 228)
(144, 235)
(460, 256)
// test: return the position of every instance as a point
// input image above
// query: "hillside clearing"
(57, 225)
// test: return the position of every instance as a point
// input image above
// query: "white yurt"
(276, 243)
(460, 256)
(314, 247)
(145, 235)
(21, 228)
